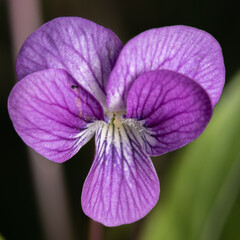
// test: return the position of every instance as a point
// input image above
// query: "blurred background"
(200, 184)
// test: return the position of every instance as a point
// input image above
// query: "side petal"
(186, 50)
(122, 185)
(53, 114)
(84, 49)
(173, 110)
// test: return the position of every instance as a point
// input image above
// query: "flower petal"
(122, 185)
(84, 49)
(186, 50)
(53, 114)
(173, 110)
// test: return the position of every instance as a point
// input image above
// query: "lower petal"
(122, 185)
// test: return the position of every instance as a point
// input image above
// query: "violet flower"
(154, 95)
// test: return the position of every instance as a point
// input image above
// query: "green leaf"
(202, 195)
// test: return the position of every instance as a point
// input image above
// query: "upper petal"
(122, 185)
(186, 50)
(84, 49)
(53, 114)
(173, 109)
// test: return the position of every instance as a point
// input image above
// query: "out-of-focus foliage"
(1, 237)
(203, 196)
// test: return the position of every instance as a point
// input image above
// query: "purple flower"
(154, 95)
